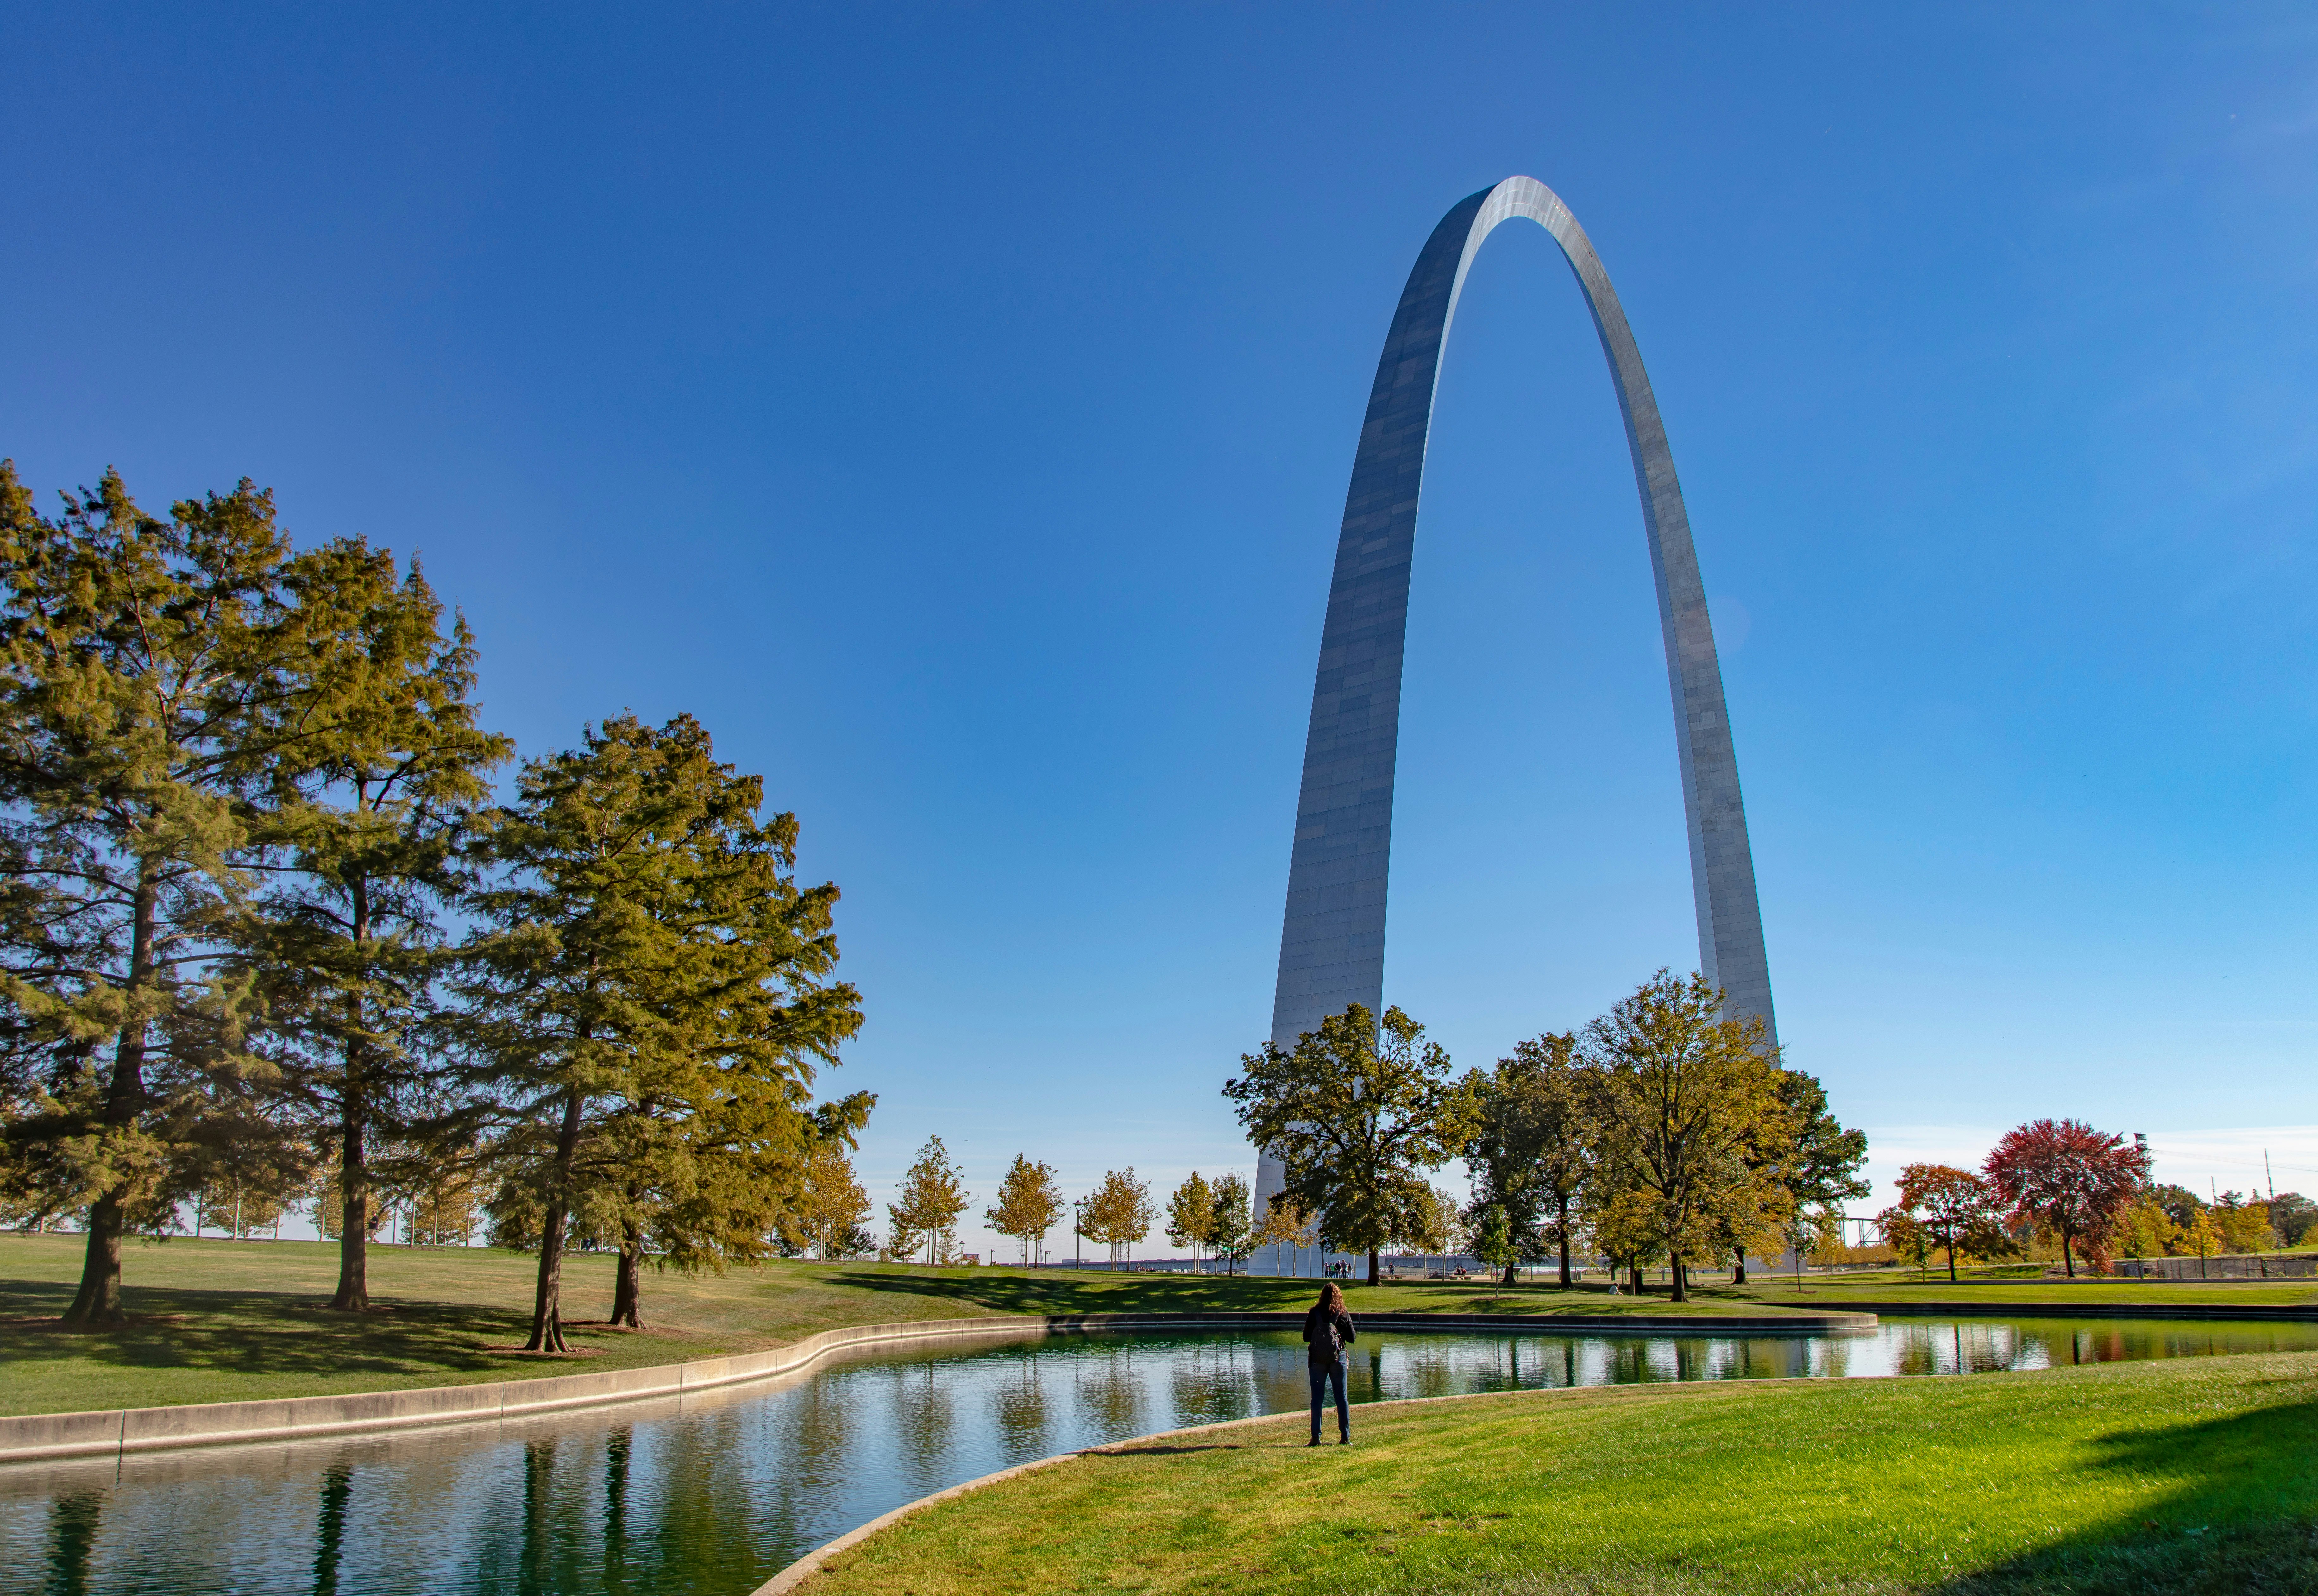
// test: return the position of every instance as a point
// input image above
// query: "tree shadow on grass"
(261, 1332)
(2240, 1520)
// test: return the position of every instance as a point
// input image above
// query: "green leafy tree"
(1431, 1223)
(1355, 1112)
(932, 1195)
(1192, 1214)
(1807, 1155)
(1534, 1144)
(1495, 1241)
(1231, 1236)
(1030, 1204)
(649, 999)
(141, 667)
(362, 852)
(2292, 1215)
(1688, 1100)
(1119, 1213)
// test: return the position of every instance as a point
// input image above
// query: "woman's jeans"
(1324, 1375)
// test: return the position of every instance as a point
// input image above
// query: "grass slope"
(2195, 1476)
(219, 1321)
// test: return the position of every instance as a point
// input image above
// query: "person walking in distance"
(1327, 1331)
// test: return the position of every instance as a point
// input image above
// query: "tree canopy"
(1693, 1127)
(1030, 1203)
(2066, 1176)
(1356, 1112)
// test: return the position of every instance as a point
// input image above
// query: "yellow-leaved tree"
(1030, 1204)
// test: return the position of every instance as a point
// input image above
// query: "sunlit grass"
(2187, 1476)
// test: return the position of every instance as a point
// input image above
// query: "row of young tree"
(265, 921)
(1209, 1217)
(1663, 1133)
(2089, 1191)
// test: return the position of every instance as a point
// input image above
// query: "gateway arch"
(1331, 946)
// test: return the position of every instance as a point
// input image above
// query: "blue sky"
(953, 406)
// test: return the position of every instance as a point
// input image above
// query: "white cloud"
(2229, 1158)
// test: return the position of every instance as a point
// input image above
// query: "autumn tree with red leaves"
(1955, 1209)
(2066, 1175)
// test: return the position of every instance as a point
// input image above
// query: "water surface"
(711, 1495)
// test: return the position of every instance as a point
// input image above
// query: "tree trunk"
(547, 1306)
(1567, 1281)
(354, 1213)
(628, 1285)
(2068, 1261)
(1637, 1281)
(1512, 1275)
(1738, 1269)
(1377, 1279)
(353, 1295)
(1952, 1269)
(1675, 1291)
(98, 1300)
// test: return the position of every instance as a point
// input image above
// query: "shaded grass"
(219, 1321)
(2191, 1476)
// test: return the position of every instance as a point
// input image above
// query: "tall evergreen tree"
(139, 673)
(363, 851)
(652, 996)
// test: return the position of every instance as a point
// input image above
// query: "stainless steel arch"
(1331, 946)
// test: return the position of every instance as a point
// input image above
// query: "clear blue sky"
(953, 407)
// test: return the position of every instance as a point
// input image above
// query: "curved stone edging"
(788, 1579)
(29, 1438)
(32, 1437)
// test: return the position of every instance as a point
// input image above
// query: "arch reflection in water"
(711, 1495)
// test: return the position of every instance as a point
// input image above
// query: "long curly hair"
(1331, 1300)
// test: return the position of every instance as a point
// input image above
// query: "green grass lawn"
(219, 1321)
(2198, 1476)
(1825, 1292)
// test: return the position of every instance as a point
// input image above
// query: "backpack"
(1327, 1343)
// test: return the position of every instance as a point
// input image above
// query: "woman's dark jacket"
(1325, 1349)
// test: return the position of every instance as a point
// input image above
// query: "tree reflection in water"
(330, 1530)
(708, 1495)
(72, 1538)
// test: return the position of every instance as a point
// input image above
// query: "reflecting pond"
(714, 1493)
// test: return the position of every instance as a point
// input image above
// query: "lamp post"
(1078, 1220)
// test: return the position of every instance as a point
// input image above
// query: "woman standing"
(1327, 1331)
